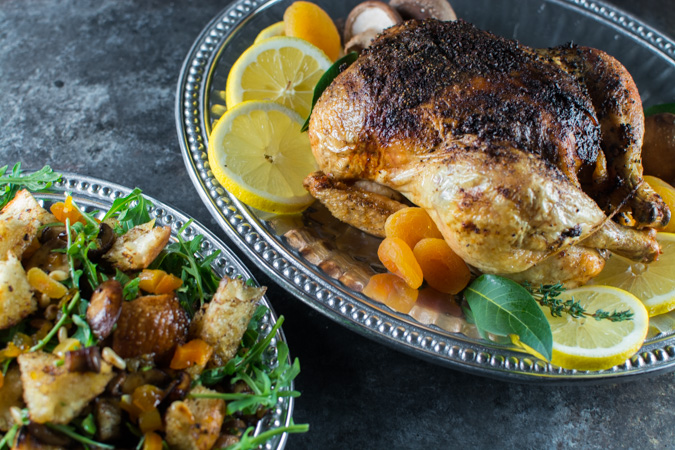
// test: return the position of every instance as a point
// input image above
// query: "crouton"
(52, 393)
(194, 423)
(16, 297)
(222, 322)
(108, 418)
(152, 324)
(20, 221)
(10, 395)
(138, 247)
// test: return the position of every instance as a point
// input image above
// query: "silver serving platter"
(93, 195)
(324, 263)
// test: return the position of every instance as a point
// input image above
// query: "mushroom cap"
(424, 9)
(370, 15)
(360, 41)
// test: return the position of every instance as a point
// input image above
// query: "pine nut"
(58, 275)
(112, 358)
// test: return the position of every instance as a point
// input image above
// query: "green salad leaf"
(11, 183)
(503, 307)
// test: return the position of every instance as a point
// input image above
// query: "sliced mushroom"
(370, 15)
(86, 359)
(105, 308)
(104, 242)
(424, 9)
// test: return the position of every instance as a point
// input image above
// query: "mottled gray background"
(88, 86)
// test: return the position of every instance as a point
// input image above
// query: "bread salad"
(506, 182)
(116, 334)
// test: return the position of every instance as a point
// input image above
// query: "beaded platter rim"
(95, 194)
(309, 284)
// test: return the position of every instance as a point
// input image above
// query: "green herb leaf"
(8, 439)
(248, 440)
(327, 78)
(73, 434)
(663, 108)
(503, 307)
(36, 182)
(132, 210)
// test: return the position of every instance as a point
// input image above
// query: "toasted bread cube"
(138, 247)
(52, 393)
(222, 322)
(20, 221)
(10, 395)
(16, 297)
(194, 424)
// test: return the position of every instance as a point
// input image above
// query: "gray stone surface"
(88, 86)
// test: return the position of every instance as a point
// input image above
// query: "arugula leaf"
(84, 239)
(132, 210)
(662, 108)
(36, 182)
(248, 441)
(327, 78)
(503, 307)
(8, 439)
(83, 332)
(130, 286)
(73, 434)
(182, 259)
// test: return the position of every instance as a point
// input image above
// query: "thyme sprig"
(548, 295)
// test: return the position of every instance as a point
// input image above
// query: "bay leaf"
(503, 307)
(662, 108)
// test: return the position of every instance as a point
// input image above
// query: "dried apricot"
(400, 260)
(442, 268)
(195, 352)
(391, 290)
(67, 210)
(411, 225)
(308, 21)
(42, 282)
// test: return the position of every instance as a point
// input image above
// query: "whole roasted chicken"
(528, 160)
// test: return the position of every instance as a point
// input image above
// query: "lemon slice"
(667, 193)
(257, 152)
(653, 283)
(281, 69)
(274, 30)
(590, 344)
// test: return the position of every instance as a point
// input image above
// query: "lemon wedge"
(590, 344)
(653, 283)
(274, 30)
(257, 152)
(667, 193)
(281, 69)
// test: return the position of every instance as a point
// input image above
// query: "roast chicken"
(528, 160)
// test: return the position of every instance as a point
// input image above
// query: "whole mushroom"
(424, 9)
(365, 21)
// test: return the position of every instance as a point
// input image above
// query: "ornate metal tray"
(325, 263)
(96, 195)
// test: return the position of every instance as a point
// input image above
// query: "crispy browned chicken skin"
(517, 154)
